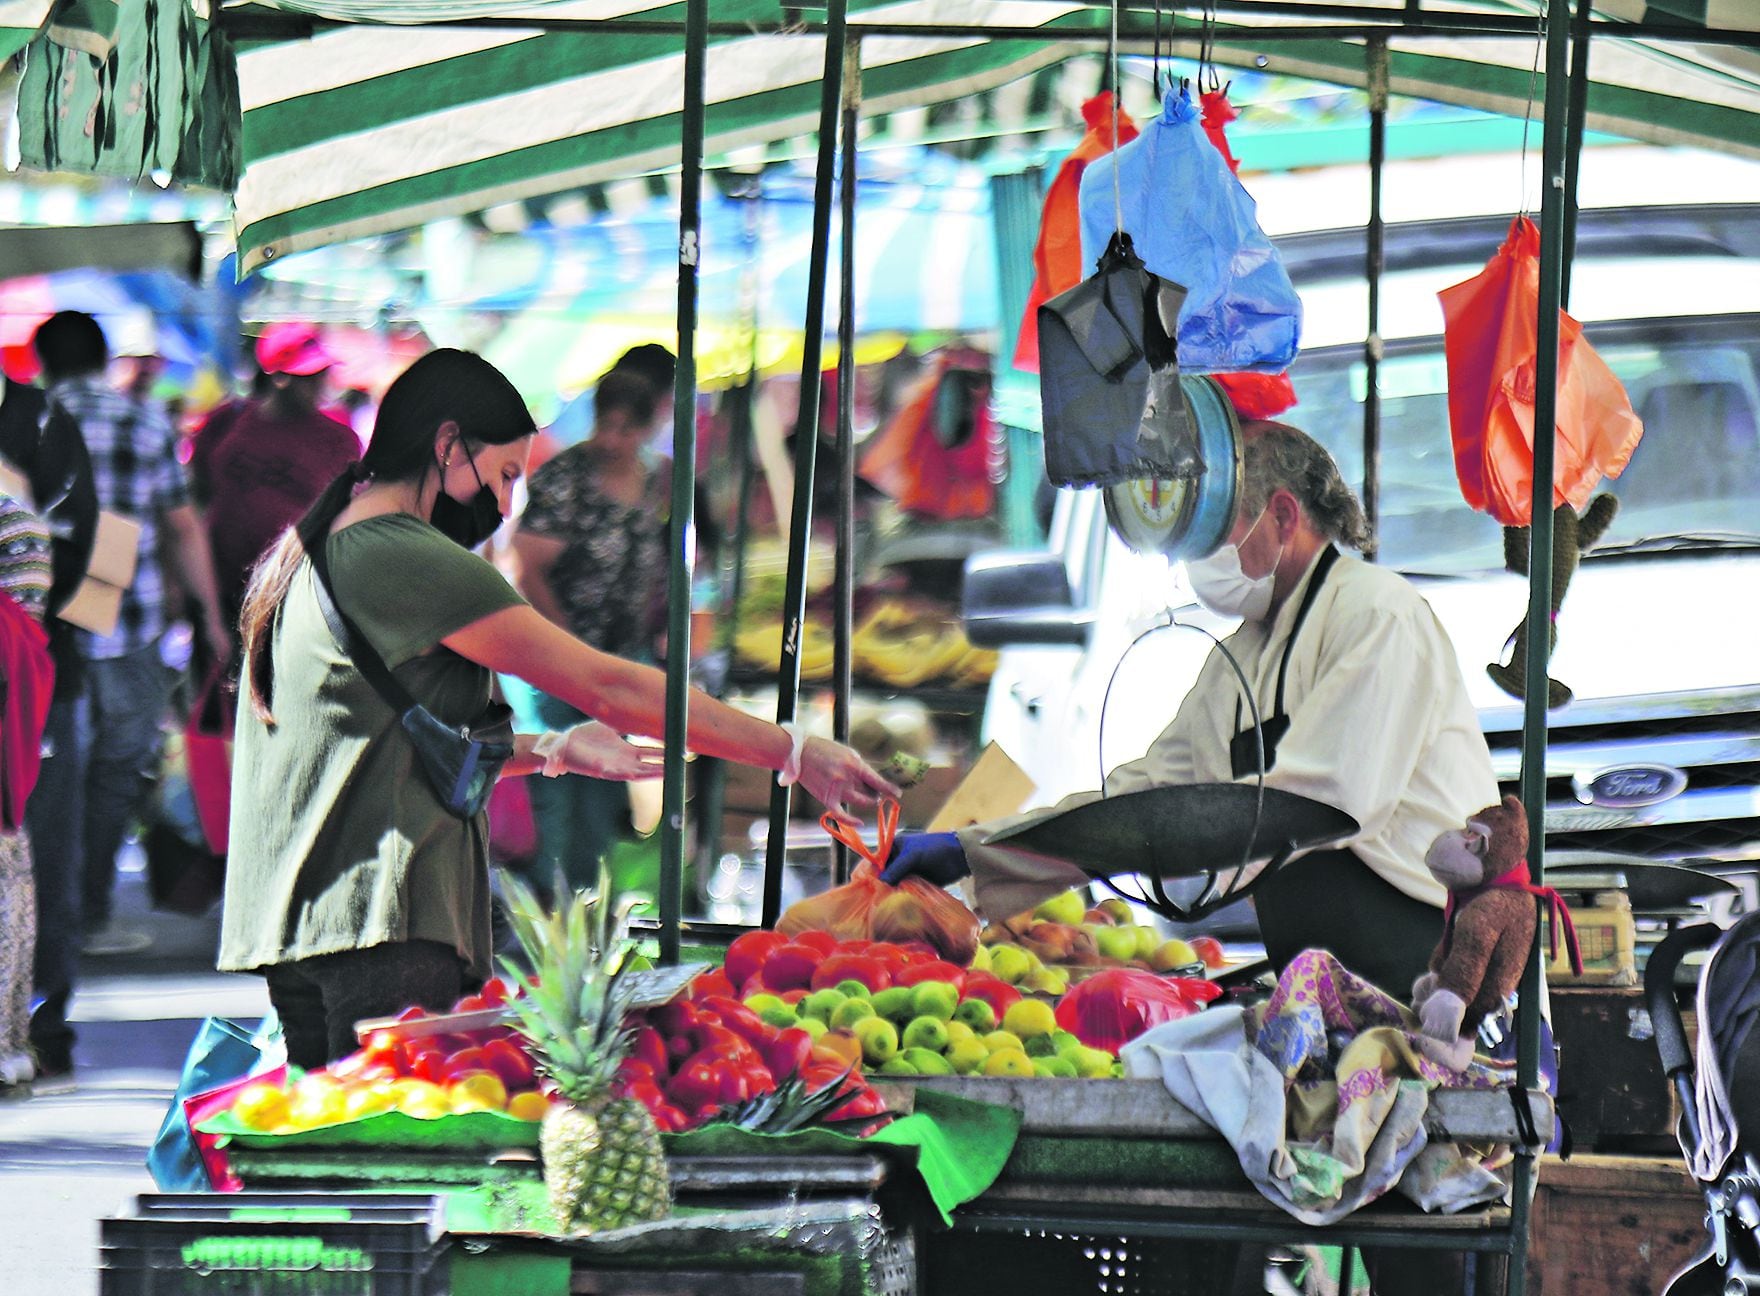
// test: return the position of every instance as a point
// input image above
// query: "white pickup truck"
(1658, 755)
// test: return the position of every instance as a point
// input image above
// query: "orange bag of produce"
(865, 908)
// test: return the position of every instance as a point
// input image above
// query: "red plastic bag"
(513, 829)
(1112, 1008)
(865, 908)
(199, 1107)
(207, 748)
(1057, 256)
(1490, 337)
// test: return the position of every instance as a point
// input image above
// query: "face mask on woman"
(466, 524)
(1223, 587)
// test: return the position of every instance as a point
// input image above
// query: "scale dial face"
(1150, 513)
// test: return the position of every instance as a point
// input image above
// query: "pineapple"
(603, 1163)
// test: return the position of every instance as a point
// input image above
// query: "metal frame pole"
(806, 445)
(1573, 155)
(1556, 140)
(844, 630)
(1376, 262)
(684, 486)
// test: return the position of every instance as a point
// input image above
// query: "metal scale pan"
(1189, 831)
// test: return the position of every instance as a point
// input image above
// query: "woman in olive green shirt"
(350, 886)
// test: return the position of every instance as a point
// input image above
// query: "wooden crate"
(1612, 1225)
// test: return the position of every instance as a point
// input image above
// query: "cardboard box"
(1607, 937)
(116, 548)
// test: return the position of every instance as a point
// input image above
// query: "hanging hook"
(1208, 78)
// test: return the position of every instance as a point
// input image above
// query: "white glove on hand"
(1422, 989)
(599, 751)
(839, 778)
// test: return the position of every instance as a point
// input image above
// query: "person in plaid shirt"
(136, 473)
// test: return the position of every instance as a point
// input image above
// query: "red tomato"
(512, 1063)
(670, 1118)
(675, 1018)
(742, 1021)
(788, 1053)
(466, 1059)
(697, 1084)
(430, 1065)
(824, 942)
(875, 973)
(1210, 950)
(992, 989)
(791, 967)
(932, 970)
(385, 1049)
(792, 997)
(494, 992)
(919, 950)
(650, 1046)
(748, 952)
(470, 1003)
(712, 982)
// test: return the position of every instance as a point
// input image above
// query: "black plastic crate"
(276, 1244)
(1073, 1263)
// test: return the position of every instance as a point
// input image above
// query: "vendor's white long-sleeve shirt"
(1380, 727)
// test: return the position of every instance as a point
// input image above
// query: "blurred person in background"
(213, 429)
(42, 441)
(25, 574)
(278, 455)
(591, 551)
(136, 474)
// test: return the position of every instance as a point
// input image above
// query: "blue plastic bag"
(1193, 223)
(222, 1050)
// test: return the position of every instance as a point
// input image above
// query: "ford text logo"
(1630, 785)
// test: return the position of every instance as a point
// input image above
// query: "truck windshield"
(1695, 475)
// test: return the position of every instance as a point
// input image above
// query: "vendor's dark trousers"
(320, 999)
(1332, 900)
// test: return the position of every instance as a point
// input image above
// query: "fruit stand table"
(1113, 1177)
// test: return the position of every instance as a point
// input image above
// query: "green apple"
(1117, 942)
(849, 1012)
(1011, 963)
(926, 1033)
(1147, 939)
(1172, 954)
(895, 1004)
(1065, 908)
(976, 1016)
(927, 1062)
(1119, 910)
(820, 1004)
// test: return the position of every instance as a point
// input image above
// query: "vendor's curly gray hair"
(1278, 455)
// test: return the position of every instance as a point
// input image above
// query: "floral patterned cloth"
(1322, 1092)
(612, 568)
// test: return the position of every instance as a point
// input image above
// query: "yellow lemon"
(1027, 1018)
(261, 1106)
(998, 1040)
(530, 1105)
(1008, 1062)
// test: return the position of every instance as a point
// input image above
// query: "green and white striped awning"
(334, 119)
(20, 21)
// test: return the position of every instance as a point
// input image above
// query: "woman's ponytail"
(273, 576)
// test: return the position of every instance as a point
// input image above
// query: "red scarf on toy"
(1518, 879)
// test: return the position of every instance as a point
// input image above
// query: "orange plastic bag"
(1057, 255)
(1490, 337)
(865, 908)
(908, 460)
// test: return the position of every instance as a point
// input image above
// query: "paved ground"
(67, 1161)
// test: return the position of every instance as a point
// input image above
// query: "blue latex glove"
(934, 857)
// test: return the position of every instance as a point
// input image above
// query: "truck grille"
(1712, 737)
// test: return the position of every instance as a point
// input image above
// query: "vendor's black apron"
(1331, 899)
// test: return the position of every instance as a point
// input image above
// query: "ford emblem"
(1630, 785)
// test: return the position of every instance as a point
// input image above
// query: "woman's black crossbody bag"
(461, 769)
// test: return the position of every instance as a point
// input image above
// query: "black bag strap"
(366, 658)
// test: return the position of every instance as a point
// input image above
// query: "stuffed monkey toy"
(1572, 537)
(1488, 929)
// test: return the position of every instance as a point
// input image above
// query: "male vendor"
(1363, 708)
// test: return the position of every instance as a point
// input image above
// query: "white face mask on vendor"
(1222, 586)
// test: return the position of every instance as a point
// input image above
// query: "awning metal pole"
(846, 413)
(1375, 263)
(1573, 154)
(1557, 138)
(684, 486)
(806, 445)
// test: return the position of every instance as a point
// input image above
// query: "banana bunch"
(904, 647)
(761, 647)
